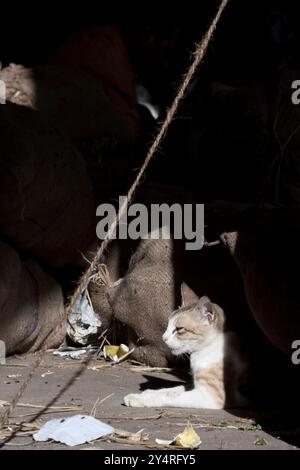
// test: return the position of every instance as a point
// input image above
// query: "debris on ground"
(46, 373)
(73, 353)
(150, 369)
(135, 437)
(188, 439)
(52, 409)
(99, 402)
(261, 442)
(74, 430)
(19, 430)
(114, 353)
(83, 323)
(250, 427)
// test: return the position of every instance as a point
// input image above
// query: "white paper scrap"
(73, 430)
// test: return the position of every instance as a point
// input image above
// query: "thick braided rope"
(201, 49)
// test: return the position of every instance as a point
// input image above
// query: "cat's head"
(196, 322)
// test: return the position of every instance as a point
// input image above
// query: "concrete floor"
(218, 429)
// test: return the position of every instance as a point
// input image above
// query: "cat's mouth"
(176, 350)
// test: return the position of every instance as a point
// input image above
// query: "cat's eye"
(179, 330)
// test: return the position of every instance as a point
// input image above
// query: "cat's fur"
(216, 360)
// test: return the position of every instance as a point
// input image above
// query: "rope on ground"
(199, 54)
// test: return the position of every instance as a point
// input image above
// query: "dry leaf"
(150, 369)
(261, 442)
(138, 436)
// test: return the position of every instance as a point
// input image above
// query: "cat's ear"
(188, 296)
(207, 309)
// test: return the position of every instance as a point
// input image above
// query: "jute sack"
(147, 295)
(31, 304)
(76, 104)
(270, 267)
(47, 204)
(139, 304)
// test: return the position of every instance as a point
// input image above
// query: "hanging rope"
(199, 54)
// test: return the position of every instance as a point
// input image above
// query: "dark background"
(251, 35)
(254, 41)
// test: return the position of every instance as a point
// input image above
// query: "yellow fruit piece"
(110, 352)
(123, 349)
(188, 438)
(114, 352)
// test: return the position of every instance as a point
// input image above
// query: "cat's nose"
(165, 336)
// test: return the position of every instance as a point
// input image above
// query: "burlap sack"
(141, 303)
(270, 267)
(146, 297)
(77, 105)
(47, 205)
(31, 304)
(267, 249)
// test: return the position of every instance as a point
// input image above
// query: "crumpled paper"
(73, 430)
(82, 321)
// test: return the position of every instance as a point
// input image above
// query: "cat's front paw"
(134, 399)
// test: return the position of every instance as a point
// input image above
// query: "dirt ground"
(64, 382)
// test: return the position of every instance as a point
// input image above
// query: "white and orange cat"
(216, 359)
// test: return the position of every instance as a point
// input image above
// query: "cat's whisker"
(186, 356)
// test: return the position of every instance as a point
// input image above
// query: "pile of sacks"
(47, 192)
(46, 215)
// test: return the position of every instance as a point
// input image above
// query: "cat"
(217, 361)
